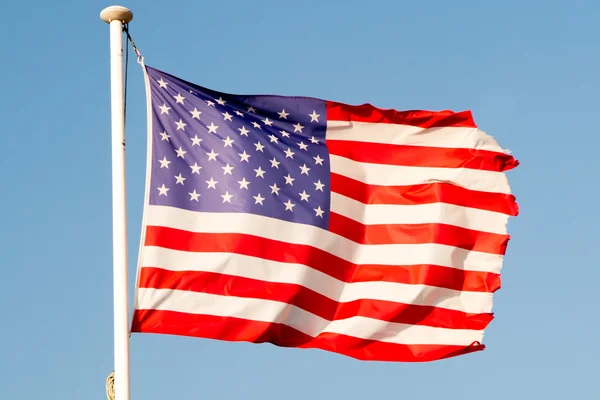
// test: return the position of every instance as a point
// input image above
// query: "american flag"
(376, 234)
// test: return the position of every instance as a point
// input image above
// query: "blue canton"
(218, 152)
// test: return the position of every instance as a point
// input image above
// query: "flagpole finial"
(116, 13)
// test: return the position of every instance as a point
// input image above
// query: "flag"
(376, 234)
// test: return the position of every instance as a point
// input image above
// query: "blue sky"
(527, 69)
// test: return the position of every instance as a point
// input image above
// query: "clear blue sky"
(529, 70)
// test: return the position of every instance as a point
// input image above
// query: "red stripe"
(423, 119)
(309, 300)
(242, 330)
(431, 275)
(417, 234)
(423, 194)
(420, 156)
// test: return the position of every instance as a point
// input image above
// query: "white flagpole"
(116, 16)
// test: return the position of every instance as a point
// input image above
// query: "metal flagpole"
(116, 16)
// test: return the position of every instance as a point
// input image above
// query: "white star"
(196, 141)
(289, 206)
(319, 212)
(298, 127)
(319, 185)
(164, 136)
(221, 101)
(164, 109)
(210, 103)
(228, 142)
(227, 169)
(267, 122)
(303, 146)
(304, 196)
(180, 179)
(313, 140)
(304, 169)
(275, 189)
(259, 147)
(196, 113)
(244, 183)
(273, 138)
(212, 183)
(318, 160)
(283, 114)
(179, 98)
(180, 152)
(180, 125)
(195, 168)
(194, 195)
(227, 116)
(163, 190)
(162, 83)
(227, 197)
(256, 125)
(274, 163)
(244, 156)
(241, 114)
(212, 128)
(314, 117)
(212, 155)
(243, 131)
(289, 153)
(164, 163)
(260, 172)
(259, 199)
(284, 134)
(251, 109)
(289, 180)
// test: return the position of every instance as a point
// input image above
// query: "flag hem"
(146, 189)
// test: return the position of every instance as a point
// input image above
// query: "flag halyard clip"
(140, 58)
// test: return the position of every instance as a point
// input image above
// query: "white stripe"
(395, 175)
(299, 319)
(448, 137)
(442, 213)
(298, 274)
(275, 229)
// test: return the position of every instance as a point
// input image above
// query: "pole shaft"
(120, 289)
